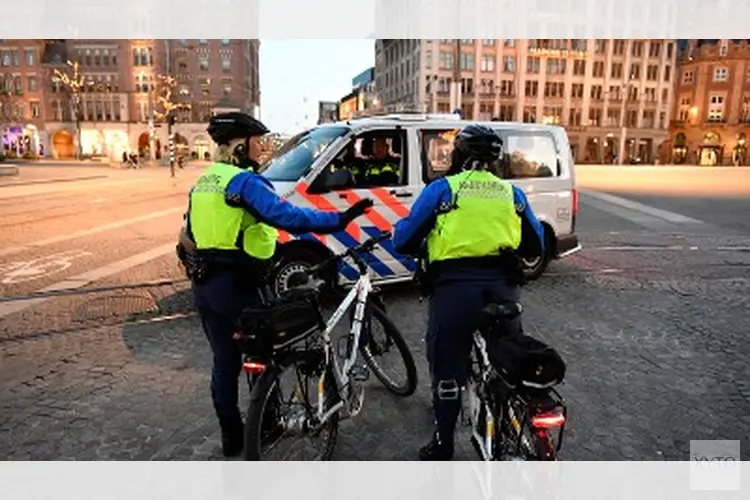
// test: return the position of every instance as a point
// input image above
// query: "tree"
(74, 84)
(165, 108)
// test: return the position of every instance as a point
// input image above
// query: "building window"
(597, 92)
(578, 44)
(226, 41)
(637, 48)
(633, 94)
(446, 60)
(687, 76)
(532, 88)
(632, 118)
(684, 110)
(227, 89)
(598, 69)
(618, 47)
(649, 94)
(552, 115)
(721, 74)
(595, 117)
(716, 108)
(507, 113)
(33, 84)
(664, 95)
(510, 42)
(226, 62)
(203, 41)
(428, 59)
(467, 60)
(141, 57)
(507, 88)
(600, 46)
(654, 49)
(574, 117)
(532, 65)
(614, 92)
(30, 58)
(652, 72)
(649, 119)
(579, 67)
(34, 106)
(488, 63)
(670, 50)
(203, 62)
(667, 73)
(554, 89)
(509, 64)
(576, 91)
(488, 42)
(556, 66)
(529, 114)
(635, 71)
(616, 70)
(613, 118)
(745, 113)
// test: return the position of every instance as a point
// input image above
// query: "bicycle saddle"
(502, 310)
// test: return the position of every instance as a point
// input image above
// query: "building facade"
(121, 93)
(362, 100)
(711, 114)
(598, 89)
(328, 111)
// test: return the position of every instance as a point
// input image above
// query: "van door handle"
(400, 194)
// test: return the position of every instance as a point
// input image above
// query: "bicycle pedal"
(360, 373)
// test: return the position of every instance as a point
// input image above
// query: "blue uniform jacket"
(410, 232)
(256, 194)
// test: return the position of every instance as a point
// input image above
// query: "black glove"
(355, 211)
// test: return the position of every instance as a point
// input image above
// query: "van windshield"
(294, 159)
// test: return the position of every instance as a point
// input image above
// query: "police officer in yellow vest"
(383, 168)
(231, 237)
(473, 226)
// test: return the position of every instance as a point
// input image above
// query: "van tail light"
(575, 201)
(547, 420)
(253, 367)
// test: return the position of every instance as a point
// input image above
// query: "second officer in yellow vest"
(472, 226)
(231, 236)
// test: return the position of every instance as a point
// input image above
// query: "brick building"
(121, 93)
(711, 115)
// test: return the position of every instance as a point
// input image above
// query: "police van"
(310, 170)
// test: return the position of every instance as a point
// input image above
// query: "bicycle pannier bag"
(265, 329)
(524, 360)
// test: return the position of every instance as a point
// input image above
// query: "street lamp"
(626, 86)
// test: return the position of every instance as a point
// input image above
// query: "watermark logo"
(715, 465)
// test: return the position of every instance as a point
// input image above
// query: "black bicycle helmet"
(227, 126)
(479, 142)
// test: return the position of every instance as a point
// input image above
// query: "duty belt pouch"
(512, 266)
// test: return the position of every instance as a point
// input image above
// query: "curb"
(53, 181)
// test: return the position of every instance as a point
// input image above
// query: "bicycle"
(282, 335)
(514, 409)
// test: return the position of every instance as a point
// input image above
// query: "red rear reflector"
(575, 202)
(253, 367)
(547, 420)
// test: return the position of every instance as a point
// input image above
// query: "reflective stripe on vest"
(217, 226)
(484, 222)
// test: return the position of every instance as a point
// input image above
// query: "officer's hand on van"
(355, 211)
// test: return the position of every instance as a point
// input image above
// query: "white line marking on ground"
(87, 232)
(88, 277)
(20, 271)
(640, 207)
(48, 188)
(673, 248)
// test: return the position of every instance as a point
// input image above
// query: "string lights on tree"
(164, 110)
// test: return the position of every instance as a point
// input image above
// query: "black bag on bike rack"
(524, 360)
(286, 321)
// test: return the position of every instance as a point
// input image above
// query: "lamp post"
(626, 86)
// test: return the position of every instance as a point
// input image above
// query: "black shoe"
(232, 440)
(435, 451)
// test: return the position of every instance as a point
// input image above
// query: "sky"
(296, 74)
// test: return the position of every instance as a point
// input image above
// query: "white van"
(538, 159)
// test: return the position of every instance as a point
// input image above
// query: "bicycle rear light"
(253, 367)
(548, 420)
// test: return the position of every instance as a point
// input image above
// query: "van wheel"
(292, 263)
(534, 268)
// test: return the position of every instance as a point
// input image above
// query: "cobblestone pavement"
(651, 318)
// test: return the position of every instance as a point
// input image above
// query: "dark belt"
(507, 262)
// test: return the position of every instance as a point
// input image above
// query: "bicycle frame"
(356, 296)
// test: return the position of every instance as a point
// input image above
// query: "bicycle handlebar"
(365, 247)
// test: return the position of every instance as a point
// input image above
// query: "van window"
(437, 146)
(530, 155)
(374, 158)
(295, 158)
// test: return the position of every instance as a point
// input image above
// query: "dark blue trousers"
(220, 301)
(454, 309)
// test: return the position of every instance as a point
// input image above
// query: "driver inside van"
(382, 168)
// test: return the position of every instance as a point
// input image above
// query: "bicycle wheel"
(270, 419)
(371, 347)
